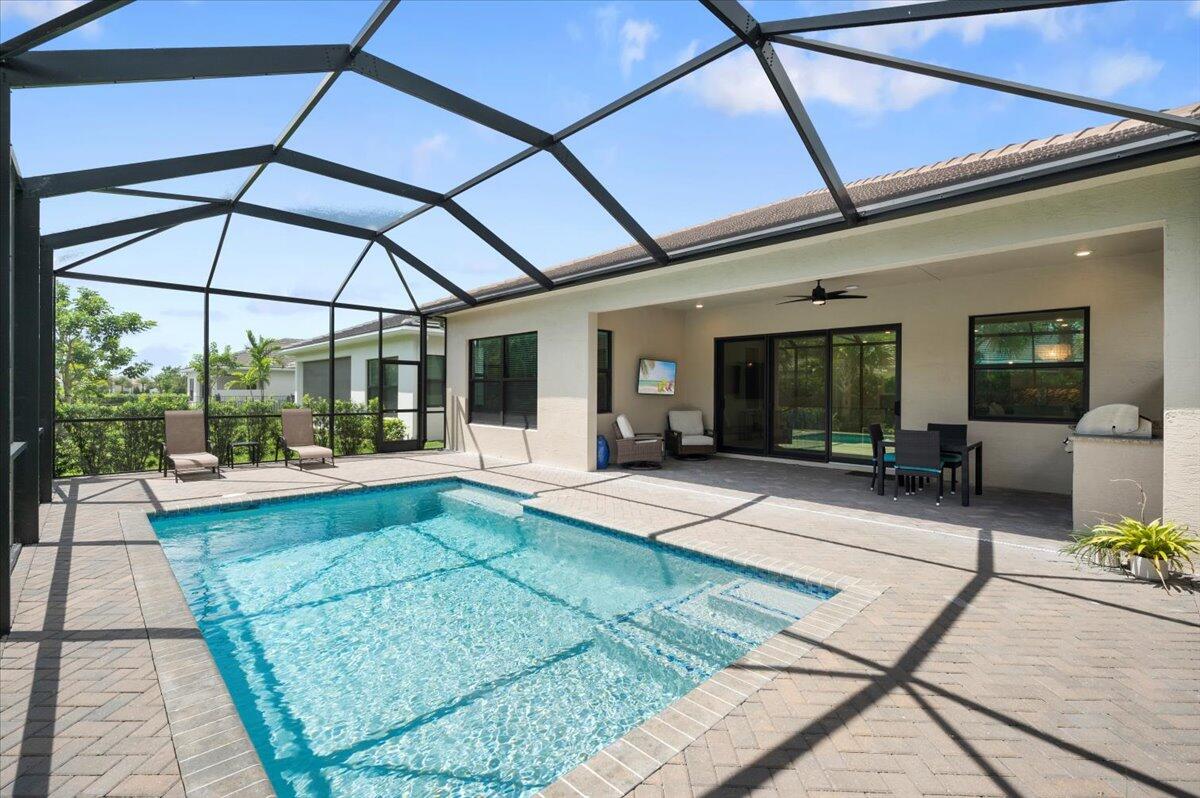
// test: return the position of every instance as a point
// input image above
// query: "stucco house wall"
(1165, 196)
(280, 386)
(656, 333)
(404, 344)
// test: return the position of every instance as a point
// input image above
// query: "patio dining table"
(964, 450)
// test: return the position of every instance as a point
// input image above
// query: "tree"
(88, 348)
(170, 379)
(221, 365)
(262, 356)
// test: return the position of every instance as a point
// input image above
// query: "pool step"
(485, 499)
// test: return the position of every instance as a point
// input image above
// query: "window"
(1029, 366)
(435, 381)
(503, 387)
(604, 371)
(314, 378)
(391, 383)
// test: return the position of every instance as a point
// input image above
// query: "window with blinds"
(503, 385)
(1029, 366)
(604, 371)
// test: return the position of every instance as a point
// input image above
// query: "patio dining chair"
(880, 459)
(299, 441)
(953, 436)
(918, 456)
(185, 446)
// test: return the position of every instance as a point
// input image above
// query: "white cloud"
(1051, 24)
(636, 36)
(429, 150)
(606, 20)
(736, 85)
(35, 12)
(1111, 73)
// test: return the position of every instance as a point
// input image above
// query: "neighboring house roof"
(242, 358)
(865, 192)
(389, 323)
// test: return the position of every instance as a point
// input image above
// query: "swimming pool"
(440, 639)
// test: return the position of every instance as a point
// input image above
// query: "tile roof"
(815, 204)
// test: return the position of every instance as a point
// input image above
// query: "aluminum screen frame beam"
(468, 220)
(302, 220)
(353, 269)
(109, 250)
(358, 177)
(139, 224)
(61, 183)
(987, 82)
(911, 12)
(231, 292)
(143, 65)
(425, 269)
(422, 88)
(744, 25)
(334, 71)
(59, 26)
(608, 202)
(645, 90)
(403, 282)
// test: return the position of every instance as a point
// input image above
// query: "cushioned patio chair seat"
(920, 469)
(193, 460)
(311, 452)
(951, 458)
(696, 440)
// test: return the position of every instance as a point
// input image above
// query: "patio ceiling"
(1113, 245)
(25, 67)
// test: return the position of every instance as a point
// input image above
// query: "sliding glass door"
(864, 389)
(810, 394)
(741, 368)
(801, 376)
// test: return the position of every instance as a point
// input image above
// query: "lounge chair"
(645, 449)
(299, 440)
(185, 446)
(687, 436)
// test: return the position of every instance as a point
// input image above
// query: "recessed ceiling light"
(699, 304)
(1082, 253)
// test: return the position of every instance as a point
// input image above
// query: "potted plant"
(1155, 550)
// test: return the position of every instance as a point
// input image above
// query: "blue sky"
(713, 144)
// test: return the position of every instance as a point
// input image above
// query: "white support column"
(1181, 367)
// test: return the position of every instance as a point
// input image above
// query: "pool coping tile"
(186, 666)
(193, 691)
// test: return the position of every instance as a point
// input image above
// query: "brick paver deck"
(987, 664)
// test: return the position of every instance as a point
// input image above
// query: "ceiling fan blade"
(790, 301)
(848, 296)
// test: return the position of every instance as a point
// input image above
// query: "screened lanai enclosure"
(298, 218)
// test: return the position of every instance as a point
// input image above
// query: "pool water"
(441, 640)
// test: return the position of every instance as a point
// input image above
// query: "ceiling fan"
(820, 296)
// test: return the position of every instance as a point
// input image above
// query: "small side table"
(253, 447)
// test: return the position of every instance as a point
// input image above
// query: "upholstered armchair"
(644, 449)
(687, 437)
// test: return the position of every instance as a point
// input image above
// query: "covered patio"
(927, 691)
